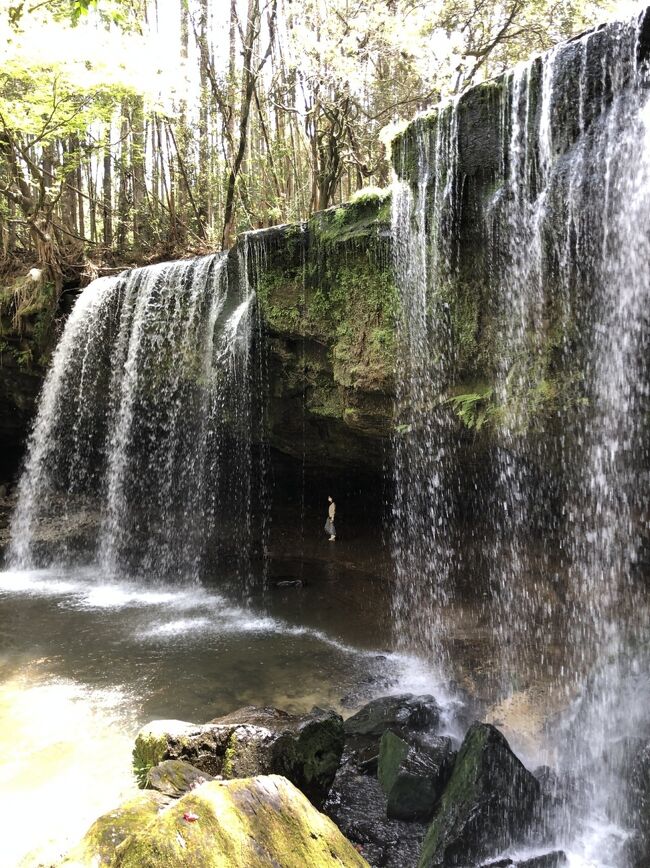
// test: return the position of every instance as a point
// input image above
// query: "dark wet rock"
(556, 859)
(490, 803)
(636, 851)
(287, 583)
(366, 759)
(639, 803)
(402, 713)
(358, 806)
(413, 774)
(307, 749)
(561, 791)
(175, 778)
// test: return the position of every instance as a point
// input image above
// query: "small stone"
(175, 778)
(556, 859)
(403, 712)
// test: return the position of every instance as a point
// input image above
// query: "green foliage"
(475, 409)
(140, 772)
(118, 12)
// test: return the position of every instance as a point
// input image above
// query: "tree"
(106, 156)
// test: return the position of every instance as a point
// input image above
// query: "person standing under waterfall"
(329, 524)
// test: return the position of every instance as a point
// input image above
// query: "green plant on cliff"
(475, 409)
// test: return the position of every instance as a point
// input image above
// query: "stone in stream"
(247, 823)
(175, 778)
(638, 796)
(490, 803)
(556, 859)
(306, 749)
(357, 804)
(98, 845)
(403, 712)
(413, 773)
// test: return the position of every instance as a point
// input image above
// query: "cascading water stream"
(423, 512)
(145, 426)
(562, 503)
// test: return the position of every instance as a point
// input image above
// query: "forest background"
(137, 130)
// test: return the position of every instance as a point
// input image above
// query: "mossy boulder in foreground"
(107, 832)
(248, 823)
(490, 803)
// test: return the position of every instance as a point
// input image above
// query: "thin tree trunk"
(107, 191)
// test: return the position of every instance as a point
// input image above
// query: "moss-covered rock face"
(152, 745)
(248, 742)
(328, 306)
(305, 749)
(250, 823)
(489, 803)
(519, 362)
(110, 830)
(413, 772)
(28, 308)
(174, 778)
(393, 750)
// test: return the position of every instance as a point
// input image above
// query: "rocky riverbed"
(395, 779)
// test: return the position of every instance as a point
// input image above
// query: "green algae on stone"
(488, 804)
(151, 745)
(107, 832)
(174, 778)
(247, 823)
(305, 749)
(229, 757)
(392, 752)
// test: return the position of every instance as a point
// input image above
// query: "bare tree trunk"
(249, 79)
(141, 235)
(107, 191)
(122, 199)
(203, 192)
(92, 201)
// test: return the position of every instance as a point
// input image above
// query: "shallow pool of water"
(85, 662)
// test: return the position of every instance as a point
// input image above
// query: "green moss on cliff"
(28, 309)
(329, 305)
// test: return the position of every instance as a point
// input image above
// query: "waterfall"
(557, 233)
(424, 448)
(146, 427)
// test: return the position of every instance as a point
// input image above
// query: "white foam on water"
(39, 583)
